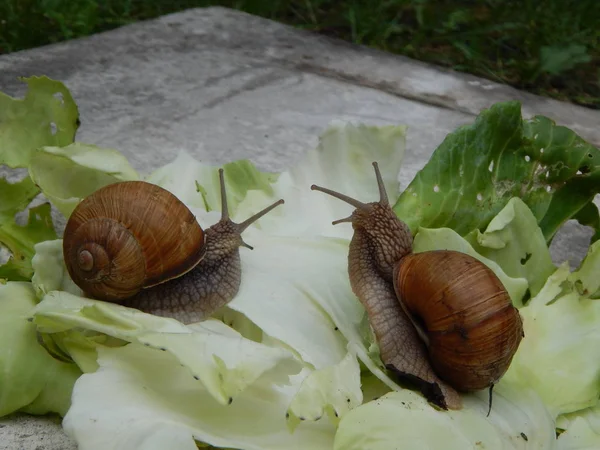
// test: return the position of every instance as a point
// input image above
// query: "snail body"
(136, 244)
(442, 319)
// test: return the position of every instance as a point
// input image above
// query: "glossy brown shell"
(127, 236)
(464, 309)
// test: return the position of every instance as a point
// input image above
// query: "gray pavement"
(225, 85)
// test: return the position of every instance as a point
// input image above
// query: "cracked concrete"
(225, 85)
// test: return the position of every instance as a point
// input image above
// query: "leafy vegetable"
(47, 115)
(342, 146)
(30, 379)
(130, 396)
(580, 430)
(68, 174)
(21, 240)
(14, 197)
(514, 241)
(50, 272)
(333, 390)
(560, 354)
(568, 167)
(478, 168)
(519, 420)
(197, 184)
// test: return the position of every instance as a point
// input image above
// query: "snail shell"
(471, 328)
(128, 236)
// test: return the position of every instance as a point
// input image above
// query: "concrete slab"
(224, 85)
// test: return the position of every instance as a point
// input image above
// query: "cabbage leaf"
(68, 174)
(30, 379)
(519, 420)
(479, 167)
(47, 115)
(560, 354)
(580, 430)
(514, 240)
(20, 240)
(128, 404)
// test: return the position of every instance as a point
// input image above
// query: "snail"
(136, 244)
(441, 318)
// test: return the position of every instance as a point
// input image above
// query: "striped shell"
(472, 328)
(128, 236)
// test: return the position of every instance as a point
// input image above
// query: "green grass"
(548, 47)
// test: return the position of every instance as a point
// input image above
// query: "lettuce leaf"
(14, 197)
(333, 390)
(216, 355)
(18, 239)
(518, 420)
(514, 240)
(47, 115)
(580, 430)
(560, 354)
(21, 241)
(128, 405)
(341, 161)
(568, 166)
(30, 379)
(197, 184)
(50, 273)
(301, 352)
(67, 174)
(479, 167)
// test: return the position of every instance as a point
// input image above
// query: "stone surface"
(22, 432)
(224, 85)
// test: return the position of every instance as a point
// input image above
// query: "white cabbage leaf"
(68, 174)
(580, 430)
(515, 242)
(214, 354)
(560, 354)
(30, 379)
(518, 420)
(142, 398)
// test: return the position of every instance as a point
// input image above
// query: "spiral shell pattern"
(128, 236)
(472, 327)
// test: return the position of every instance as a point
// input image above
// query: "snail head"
(229, 232)
(389, 237)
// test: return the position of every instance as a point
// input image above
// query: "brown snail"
(442, 318)
(136, 244)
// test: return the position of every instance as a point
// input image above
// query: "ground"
(548, 47)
